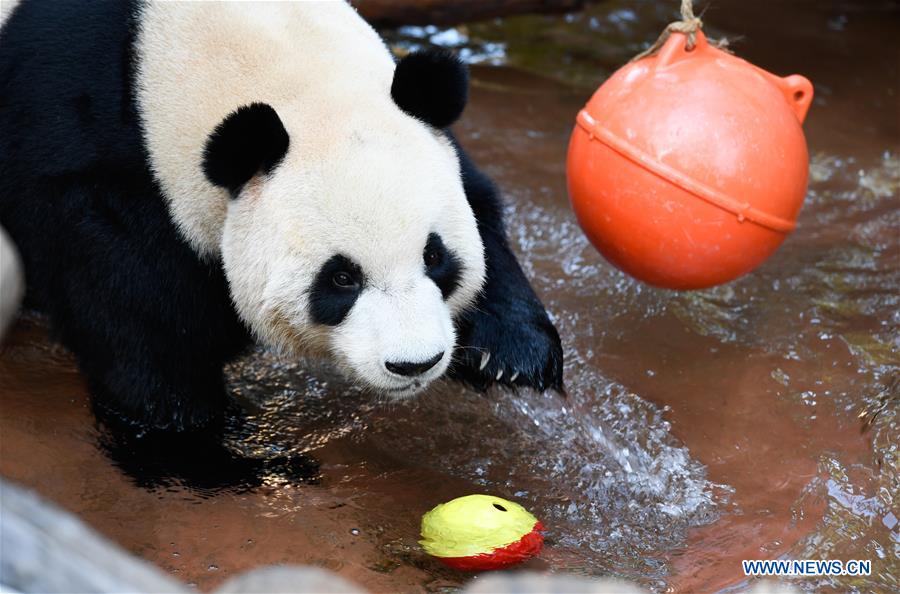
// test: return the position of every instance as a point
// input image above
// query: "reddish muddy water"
(755, 420)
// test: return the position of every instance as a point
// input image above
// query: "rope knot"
(688, 25)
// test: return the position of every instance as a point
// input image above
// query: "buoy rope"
(688, 25)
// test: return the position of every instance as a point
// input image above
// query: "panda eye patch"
(441, 265)
(335, 290)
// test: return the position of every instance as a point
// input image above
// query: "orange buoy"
(687, 169)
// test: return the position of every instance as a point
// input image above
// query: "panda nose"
(410, 368)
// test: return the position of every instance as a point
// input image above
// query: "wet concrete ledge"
(47, 550)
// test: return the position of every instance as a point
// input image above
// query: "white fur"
(12, 281)
(6, 8)
(360, 178)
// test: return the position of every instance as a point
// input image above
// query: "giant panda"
(184, 179)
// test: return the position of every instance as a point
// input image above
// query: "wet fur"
(146, 311)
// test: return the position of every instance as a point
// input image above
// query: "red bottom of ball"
(526, 547)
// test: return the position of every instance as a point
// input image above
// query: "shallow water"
(755, 420)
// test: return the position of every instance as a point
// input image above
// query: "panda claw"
(485, 357)
(513, 377)
(499, 375)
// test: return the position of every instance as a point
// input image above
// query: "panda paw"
(509, 343)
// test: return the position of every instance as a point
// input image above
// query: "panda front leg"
(157, 383)
(507, 337)
(151, 325)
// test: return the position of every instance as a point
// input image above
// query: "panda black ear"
(431, 85)
(249, 140)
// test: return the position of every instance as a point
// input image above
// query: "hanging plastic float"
(688, 167)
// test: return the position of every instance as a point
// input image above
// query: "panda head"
(348, 233)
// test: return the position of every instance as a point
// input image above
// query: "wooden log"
(394, 13)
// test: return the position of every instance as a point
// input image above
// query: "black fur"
(151, 322)
(431, 85)
(508, 323)
(329, 303)
(249, 140)
(442, 266)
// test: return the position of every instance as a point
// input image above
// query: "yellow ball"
(474, 525)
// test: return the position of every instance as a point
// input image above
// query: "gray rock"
(545, 583)
(45, 549)
(289, 580)
(772, 587)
